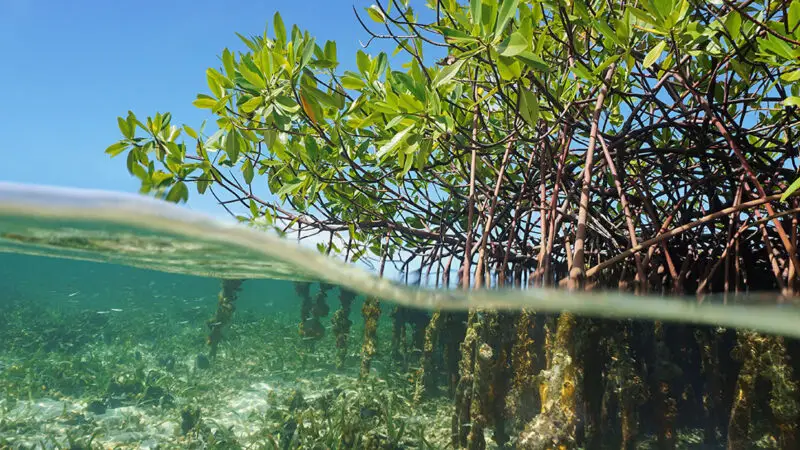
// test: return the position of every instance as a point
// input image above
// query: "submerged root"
(371, 311)
(556, 425)
(464, 392)
(763, 358)
(523, 399)
(341, 323)
(479, 411)
(222, 318)
(425, 378)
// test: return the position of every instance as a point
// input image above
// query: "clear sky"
(73, 67)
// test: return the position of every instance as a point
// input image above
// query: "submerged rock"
(202, 362)
(167, 362)
(190, 418)
(368, 413)
(96, 407)
(158, 395)
(124, 385)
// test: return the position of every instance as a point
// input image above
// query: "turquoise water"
(120, 352)
(107, 303)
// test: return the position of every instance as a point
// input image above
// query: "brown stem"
(490, 218)
(640, 275)
(470, 202)
(576, 274)
(676, 231)
(787, 244)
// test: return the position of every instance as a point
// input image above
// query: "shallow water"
(141, 232)
(105, 305)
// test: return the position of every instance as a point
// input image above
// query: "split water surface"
(128, 323)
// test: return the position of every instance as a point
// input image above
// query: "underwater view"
(100, 355)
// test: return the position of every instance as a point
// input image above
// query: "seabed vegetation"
(82, 378)
(172, 373)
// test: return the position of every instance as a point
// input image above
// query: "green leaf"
(516, 44)
(653, 54)
(232, 146)
(204, 102)
(452, 36)
(663, 7)
(322, 97)
(792, 101)
(791, 189)
(529, 107)
(509, 68)
(248, 42)
(190, 131)
(376, 14)
(130, 161)
(533, 61)
(287, 104)
(508, 9)
(791, 76)
(213, 86)
(250, 105)
(362, 61)
(379, 64)
(733, 23)
(116, 148)
(308, 51)
(605, 30)
(476, 8)
(330, 51)
(247, 170)
(582, 71)
(350, 82)
(794, 16)
(251, 76)
(178, 193)
(312, 148)
(408, 161)
(679, 14)
(159, 177)
(203, 182)
(778, 47)
(253, 208)
(392, 144)
(125, 128)
(280, 29)
(447, 73)
(289, 187)
(397, 119)
(643, 16)
(228, 62)
(221, 79)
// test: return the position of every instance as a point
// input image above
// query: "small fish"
(183, 322)
(103, 312)
(116, 309)
(74, 294)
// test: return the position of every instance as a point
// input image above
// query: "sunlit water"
(104, 307)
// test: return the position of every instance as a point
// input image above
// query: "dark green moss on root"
(226, 306)
(371, 311)
(341, 324)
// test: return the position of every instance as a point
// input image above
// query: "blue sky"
(73, 67)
